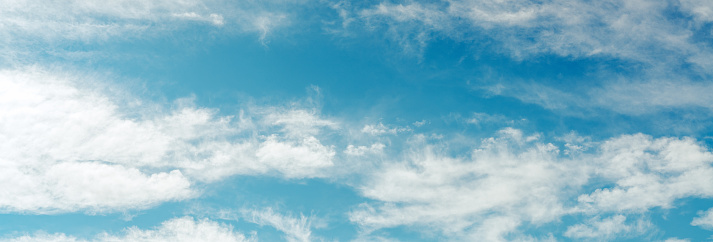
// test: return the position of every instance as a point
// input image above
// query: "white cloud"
(298, 122)
(69, 145)
(412, 23)
(484, 118)
(648, 94)
(701, 9)
(295, 159)
(605, 229)
(568, 28)
(361, 150)
(71, 186)
(649, 173)
(704, 220)
(42, 237)
(576, 144)
(295, 229)
(677, 240)
(34, 29)
(381, 129)
(661, 51)
(178, 229)
(507, 181)
(514, 180)
(97, 20)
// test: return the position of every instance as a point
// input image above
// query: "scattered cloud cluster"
(183, 229)
(70, 144)
(65, 145)
(513, 180)
(607, 228)
(361, 150)
(705, 220)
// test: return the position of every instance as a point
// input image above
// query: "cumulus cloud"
(487, 195)
(43, 237)
(361, 150)
(704, 220)
(295, 159)
(649, 173)
(70, 147)
(91, 186)
(177, 229)
(295, 229)
(605, 229)
(514, 180)
(180, 229)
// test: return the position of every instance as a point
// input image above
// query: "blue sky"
(299, 120)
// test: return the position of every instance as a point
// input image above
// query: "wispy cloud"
(32, 29)
(294, 228)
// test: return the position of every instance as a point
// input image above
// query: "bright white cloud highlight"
(70, 147)
(513, 180)
(91, 186)
(649, 173)
(485, 196)
(180, 229)
(185, 229)
(704, 220)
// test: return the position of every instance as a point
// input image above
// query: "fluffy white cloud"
(361, 150)
(649, 173)
(91, 186)
(177, 229)
(180, 229)
(514, 180)
(508, 180)
(605, 229)
(295, 159)
(43, 237)
(69, 145)
(705, 220)
(676, 240)
(295, 229)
